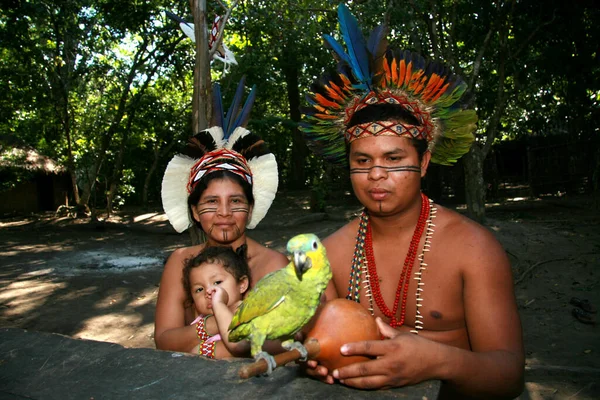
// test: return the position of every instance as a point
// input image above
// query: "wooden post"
(201, 104)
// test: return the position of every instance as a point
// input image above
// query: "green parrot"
(282, 302)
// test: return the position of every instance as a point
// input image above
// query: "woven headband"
(219, 160)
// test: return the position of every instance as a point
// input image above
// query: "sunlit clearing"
(111, 327)
(145, 297)
(15, 223)
(37, 248)
(538, 391)
(114, 299)
(144, 217)
(26, 296)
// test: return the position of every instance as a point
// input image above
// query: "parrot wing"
(268, 294)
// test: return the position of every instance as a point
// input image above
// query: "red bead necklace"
(409, 261)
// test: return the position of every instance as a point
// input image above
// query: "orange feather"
(386, 69)
(332, 93)
(394, 68)
(326, 102)
(440, 92)
(326, 116)
(432, 85)
(408, 74)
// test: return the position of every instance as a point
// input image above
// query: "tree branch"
(436, 45)
(531, 35)
(478, 59)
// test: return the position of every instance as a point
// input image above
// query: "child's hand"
(219, 295)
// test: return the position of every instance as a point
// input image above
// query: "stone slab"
(36, 365)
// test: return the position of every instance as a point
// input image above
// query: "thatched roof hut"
(30, 160)
(31, 182)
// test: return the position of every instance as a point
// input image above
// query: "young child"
(215, 281)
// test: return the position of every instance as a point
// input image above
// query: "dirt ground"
(99, 281)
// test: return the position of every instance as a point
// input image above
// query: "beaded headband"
(370, 74)
(219, 160)
(226, 146)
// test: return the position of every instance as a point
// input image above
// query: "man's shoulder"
(342, 238)
(458, 234)
(456, 226)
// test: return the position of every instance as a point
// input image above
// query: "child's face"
(205, 277)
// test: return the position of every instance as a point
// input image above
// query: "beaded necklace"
(363, 266)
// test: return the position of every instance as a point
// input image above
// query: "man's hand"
(402, 359)
(317, 371)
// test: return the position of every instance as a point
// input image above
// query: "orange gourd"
(338, 322)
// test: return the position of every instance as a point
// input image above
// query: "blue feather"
(337, 48)
(233, 109)
(355, 42)
(245, 113)
(376, 36)
(219, 118)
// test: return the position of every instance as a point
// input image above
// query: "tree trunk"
(201, 102)
(116, 176)
(149, 177)
(474, 184)
(299, 148)
(71, 165)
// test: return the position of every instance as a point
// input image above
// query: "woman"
(225, 184)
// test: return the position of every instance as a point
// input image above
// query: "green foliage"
(85, 81)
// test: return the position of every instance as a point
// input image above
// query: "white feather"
(188, 29)
(217, 134)
(237, 134)
(174, 192)
(266, 180)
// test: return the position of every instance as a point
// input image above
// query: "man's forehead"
(381, 144)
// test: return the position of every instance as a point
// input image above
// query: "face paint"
(225, 234)
(205, 210)
(223, 212)
(403, 168)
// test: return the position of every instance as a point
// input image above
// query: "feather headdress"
(371, 73)
(222, 53)
(226, 145)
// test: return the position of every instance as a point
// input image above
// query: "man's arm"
(170, 331)
(496, 363)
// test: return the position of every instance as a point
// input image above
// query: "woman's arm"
(170, 330)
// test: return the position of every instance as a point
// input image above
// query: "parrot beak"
(302, 263)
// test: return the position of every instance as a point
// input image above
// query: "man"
(439, 284)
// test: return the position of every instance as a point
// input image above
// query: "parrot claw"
(298, 346)
(271, 364)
